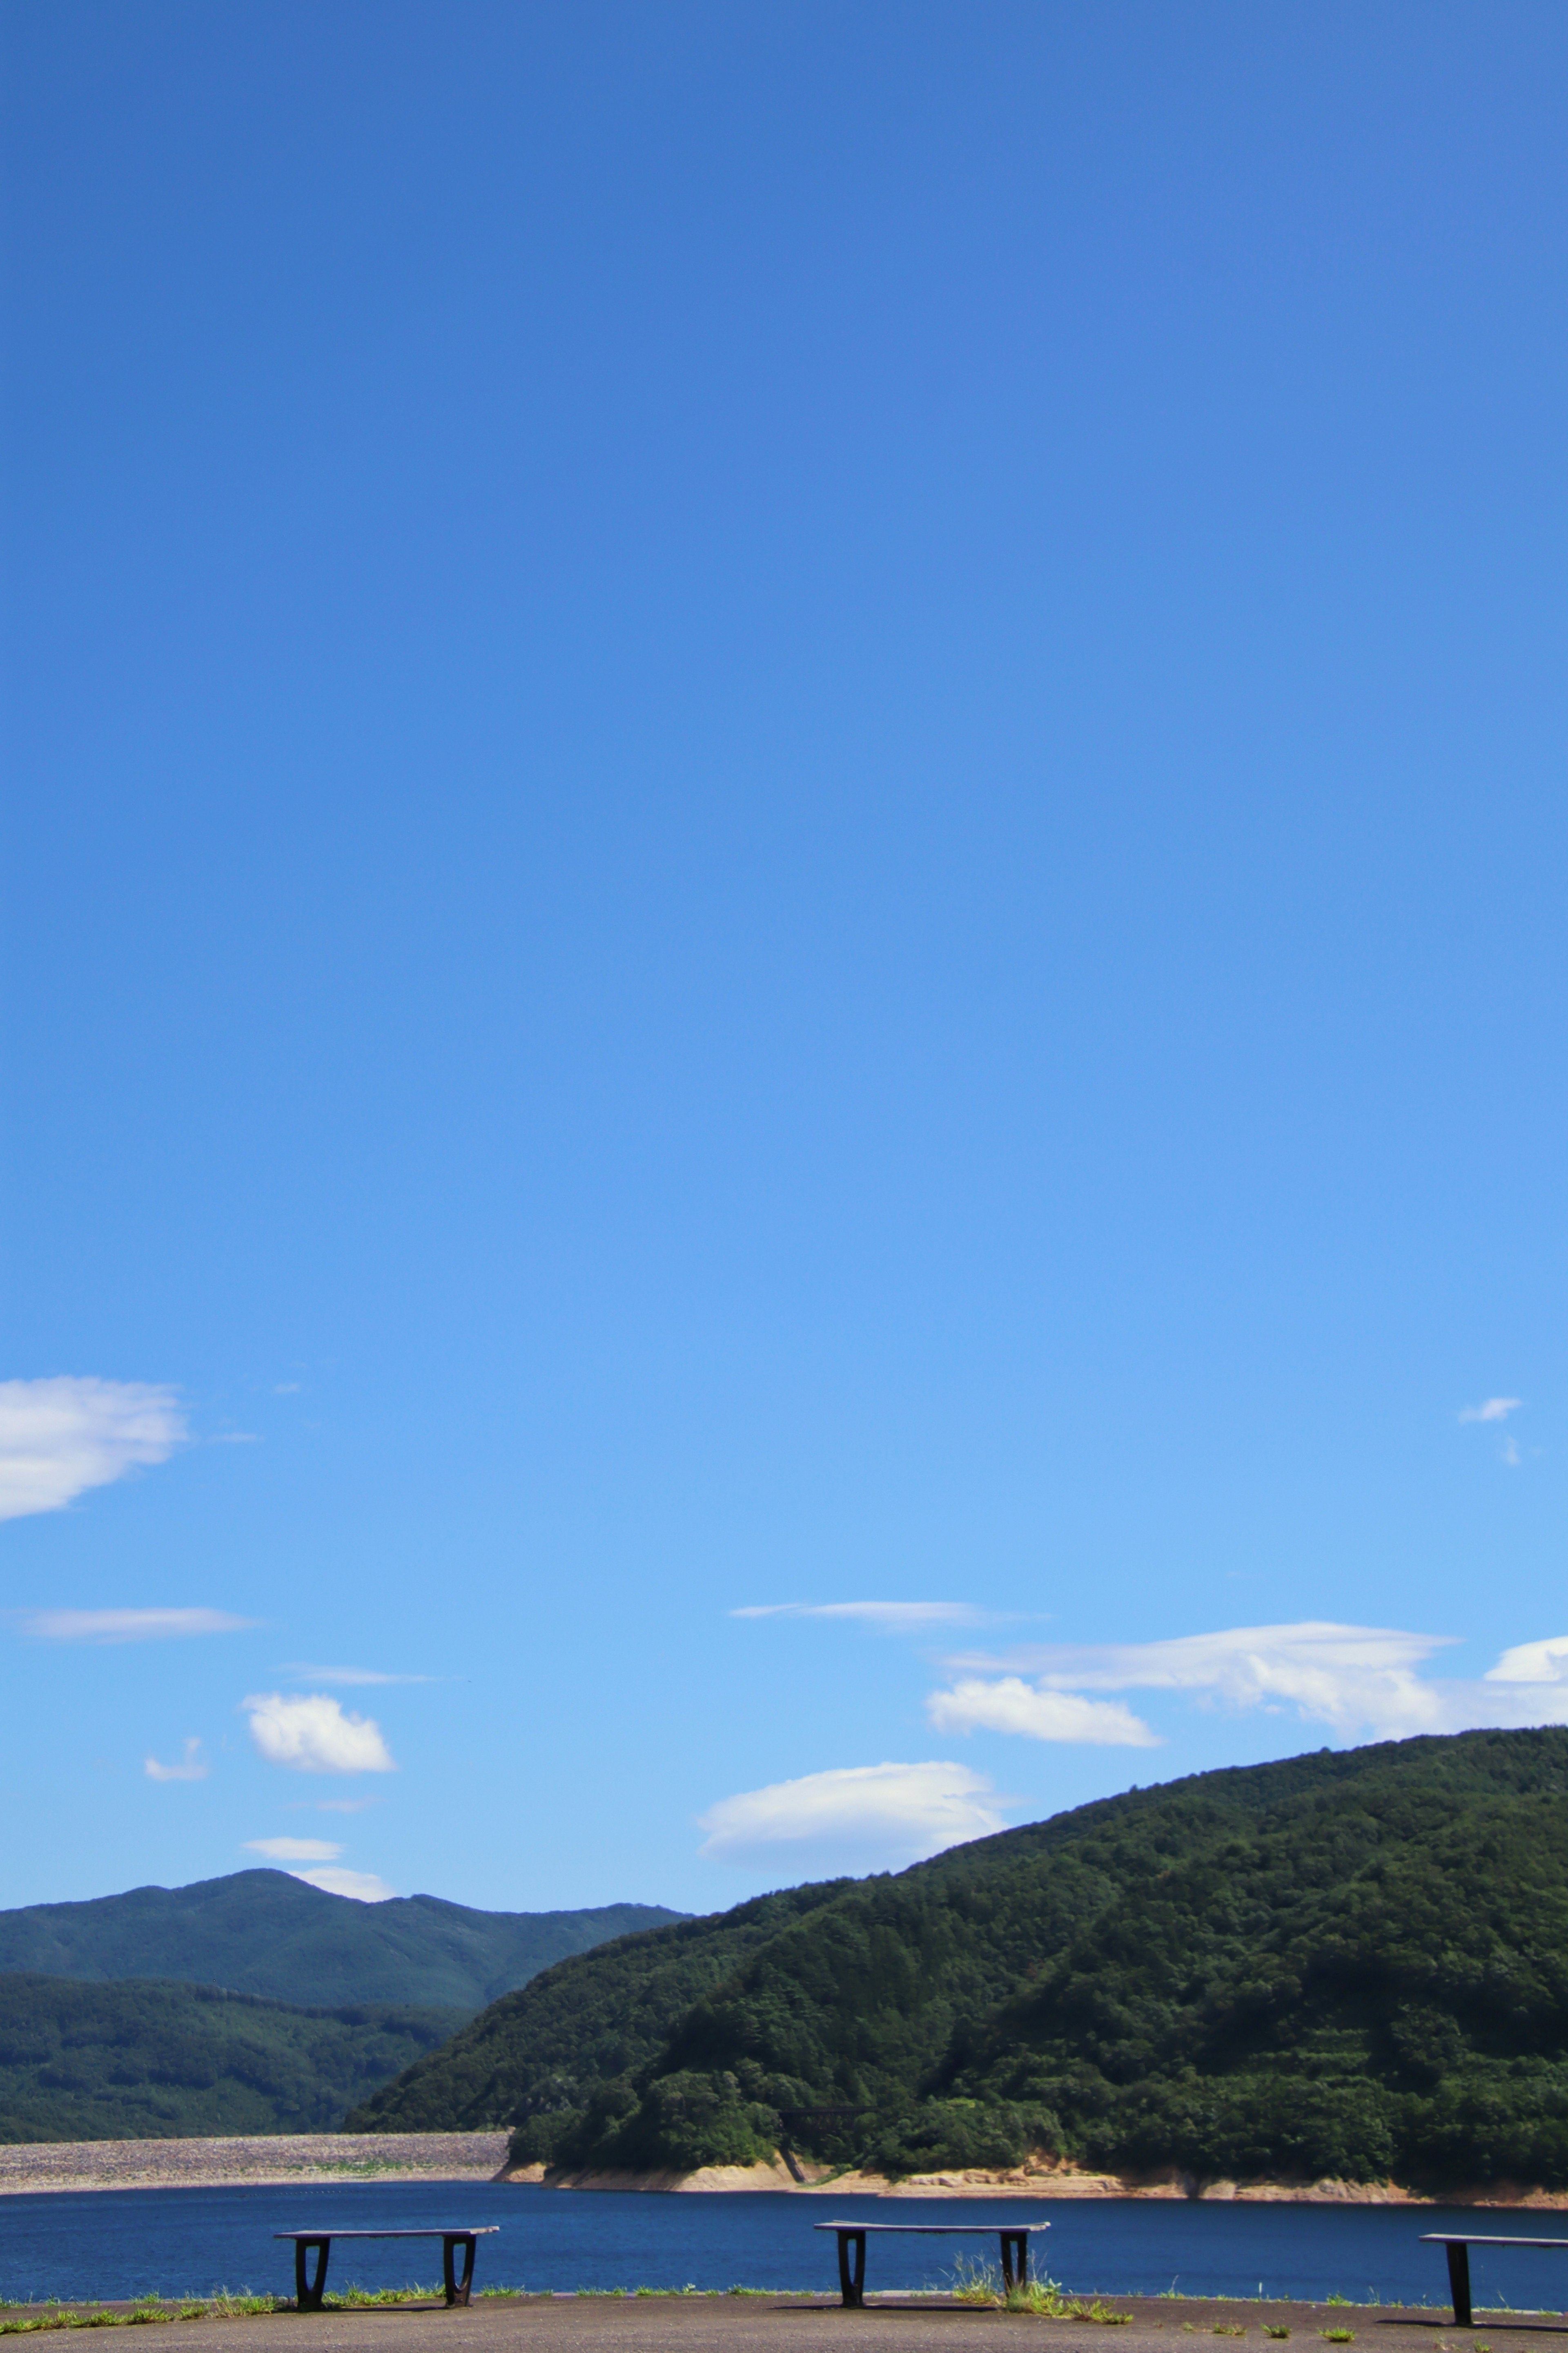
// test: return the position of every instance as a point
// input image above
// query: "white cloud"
(288, 1849)
(341, 1805)
(312, 1734)
(905, 1812)
(892, 1616)
(362, 1886)
(191, 1769)
(1493, 1409)
(1363, 1681)
(1532, 1663)
(129, 1625)
(347, 1675)
(1014, 1706)
(60, 1436)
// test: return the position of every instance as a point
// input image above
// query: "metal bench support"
(1014, 2260)
(457, 2289)
(308, 2293)
(852, 2278)
(1458, 2256)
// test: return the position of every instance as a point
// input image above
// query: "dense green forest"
(1352, 1963)
(266, 1932)
(148, 2060)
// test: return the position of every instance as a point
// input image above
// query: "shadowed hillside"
(150, 2061)
(1349, 1963)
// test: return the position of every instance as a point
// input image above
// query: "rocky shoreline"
(1045, 2180)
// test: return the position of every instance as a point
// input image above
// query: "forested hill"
(143, 2060)
(265, 1932)
(1352, 1963)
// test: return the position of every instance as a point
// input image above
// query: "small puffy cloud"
(364, 1886)
(903, 1811)
(190, 1769)
(1532, 1663)
(889, 1617)
(288, 1849)
(312, 1734)
(1014, 1706)
(61, 1436)
(345, 1676)
(129, 1625)
(1490, 1409)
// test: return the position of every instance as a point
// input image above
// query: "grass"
(982, 2285)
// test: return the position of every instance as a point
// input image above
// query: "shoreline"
(1047, 2180)
(280, 2160)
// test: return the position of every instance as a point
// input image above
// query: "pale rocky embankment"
(270, 2157)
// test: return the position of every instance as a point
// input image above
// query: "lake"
(125, 2243)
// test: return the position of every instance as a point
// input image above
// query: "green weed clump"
(982, 2284)
(1337, 2336)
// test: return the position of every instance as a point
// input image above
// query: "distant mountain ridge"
(264, 1931)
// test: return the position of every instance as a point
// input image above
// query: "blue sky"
(786, 830)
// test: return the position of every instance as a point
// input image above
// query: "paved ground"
(812, 2324)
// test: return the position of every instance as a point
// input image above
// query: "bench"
(852, 2237)
(307, 2292)
(1458, 2253)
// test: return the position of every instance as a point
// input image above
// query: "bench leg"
(307, 2292)
(457, 2289)
(1460, 2284)
(852, 2276)
(1014, 2260)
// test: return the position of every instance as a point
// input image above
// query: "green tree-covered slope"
(145, 2059)
(264, 1931)
(548, 2053)
(1350, 1963)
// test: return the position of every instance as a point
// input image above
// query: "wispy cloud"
(1360, 1681)
(312, 1734)
(890, 1617)
(1490, 1409)
(61, 1436)
(343, 1676)
(344, 1805)
(129, 1625)
(288, 1849)
(191, 1769)
(1014, 1706)
(1532, 1663)
(364, 1886)
(901, 1812)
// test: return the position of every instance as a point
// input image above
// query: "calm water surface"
(124, 2242)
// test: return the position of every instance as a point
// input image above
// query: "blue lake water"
(124, 2242)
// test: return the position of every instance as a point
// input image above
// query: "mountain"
(144, 2060)
(265, 1932)
(1350, 1963)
